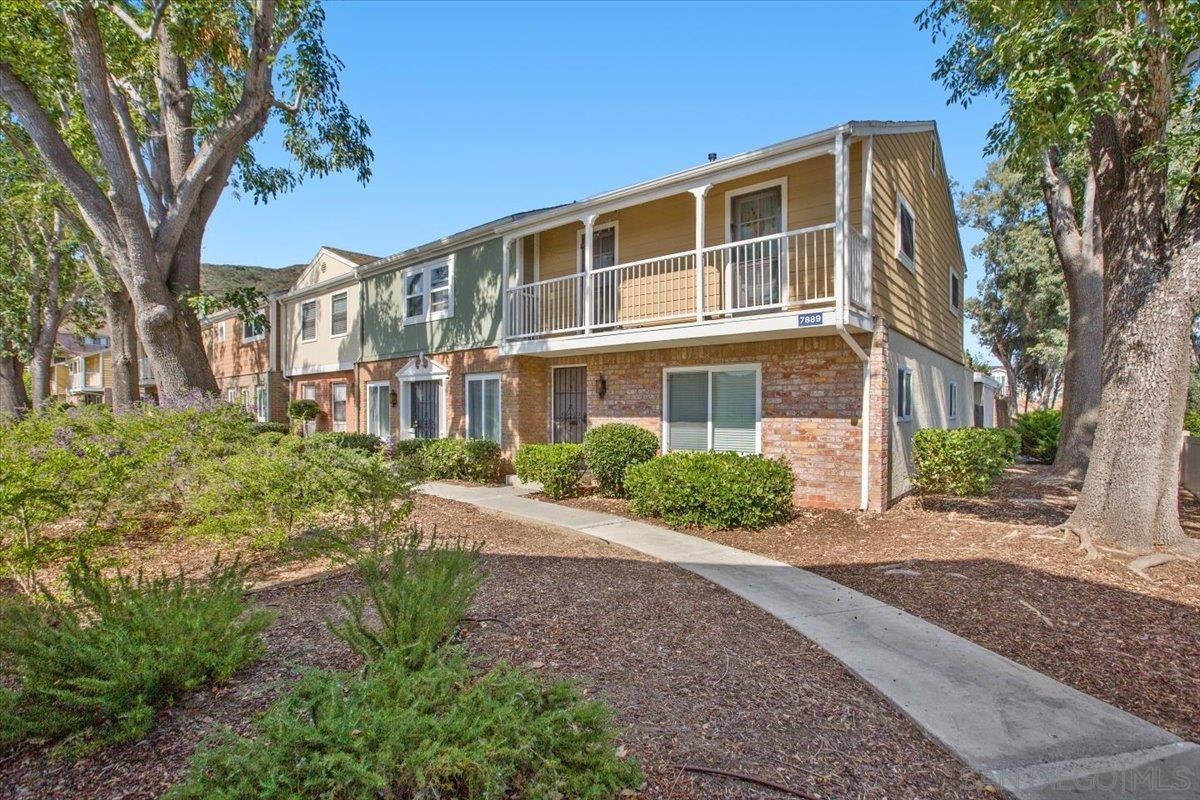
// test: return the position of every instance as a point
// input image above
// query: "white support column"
(589, 226)
(504, 293)
(700, 192)
(839, 229)
(868, 216)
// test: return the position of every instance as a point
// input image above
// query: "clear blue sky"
(477, 111)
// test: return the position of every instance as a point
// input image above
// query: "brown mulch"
(987, 572)
(698, 676)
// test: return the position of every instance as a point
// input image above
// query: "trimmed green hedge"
(1039, 432)
(271, 427)
(303, 409)
(475, 460)
(558, 467)
(962, 461)
(366, 442)
(1191, 423)
(610, 449)
(712, 490)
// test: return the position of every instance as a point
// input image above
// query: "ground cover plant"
(962, 461)
(94, 665)
(558, 467)
(712, 490)
(610, 449)
(420, 719)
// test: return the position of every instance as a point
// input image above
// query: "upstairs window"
(429, 291)
(906, 233)
(955, 291)
(219, 331)
(338, 315)
(904, 394)
(308, 321)
(252, 329)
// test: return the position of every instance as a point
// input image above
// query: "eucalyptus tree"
(147, 111)
(1114, 74)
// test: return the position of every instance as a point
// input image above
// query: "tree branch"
(292, 107)
(133, 148)
(145, 34)
(1060, 210)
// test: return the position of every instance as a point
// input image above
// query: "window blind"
(687, 410)
(734, 408)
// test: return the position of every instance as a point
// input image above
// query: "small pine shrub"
(558, 467)
(610, 449)
(419, 595)
(442, 731)
(1191, 423)
(366, 442)
(962, 461)
(1039, 431)
(712, 490)
(93, 668)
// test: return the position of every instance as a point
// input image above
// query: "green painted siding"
(476, 320)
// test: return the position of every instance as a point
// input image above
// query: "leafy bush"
(712, 490)
(93, 668)
(1191, 423)
(270, 427)
(610, 449)
(460, 459)
(442, 731)
(303, 410)
(558, 467)
(1039, 431)
(418, 594)
(366, 442)
(962, 461)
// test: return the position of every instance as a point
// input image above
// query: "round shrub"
(475, 460)
(366, 442)
(558, 467)
(270, 427)
(303, 410)
(610, 449)
(483, 460)
(712, 490)
(1191, 423)
(1039, 433)
(961, 461)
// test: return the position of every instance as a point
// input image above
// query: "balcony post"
(839, 228)
(700, 192)
(504, 245)
(868, 221)
(589, 226)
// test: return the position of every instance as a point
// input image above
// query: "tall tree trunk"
(1079, 247)
(118, 312)
(14, 401)
(1130, 493)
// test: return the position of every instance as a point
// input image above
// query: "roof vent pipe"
(712, 157)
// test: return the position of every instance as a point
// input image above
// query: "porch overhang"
(780, 325)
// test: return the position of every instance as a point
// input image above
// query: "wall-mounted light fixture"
(601, 387)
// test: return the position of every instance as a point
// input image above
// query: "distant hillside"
(220, 278)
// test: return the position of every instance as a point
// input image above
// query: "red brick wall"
(233, 357)
(324, 382)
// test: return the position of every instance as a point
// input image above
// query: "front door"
(423, 408)
(570, 404)
(755, 274)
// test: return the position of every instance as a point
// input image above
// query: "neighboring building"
(986, 393)
(801, 301)
(82, 371)
(320, 336)
(244, 357)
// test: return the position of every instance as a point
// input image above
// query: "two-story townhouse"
(244, 356)
(320, 336)
(82, 371)
(802, 301)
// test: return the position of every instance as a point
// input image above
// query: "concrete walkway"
(1031, 736)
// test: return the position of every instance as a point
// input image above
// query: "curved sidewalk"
(1031, 736)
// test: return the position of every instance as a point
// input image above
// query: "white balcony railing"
(769, 273)
(86, 380)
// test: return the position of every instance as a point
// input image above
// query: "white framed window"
(379, 409)
(906, 233)
(429, 291)
(338, 314)
(308, 321)
(337, 406)
(253, 330)
(483, 406)
(952, 398)
(260, 403)
(713, 408)
(231, 396)
(219, 331)
(904, 394)
(246, 403)
(604, 247)
(955, 291)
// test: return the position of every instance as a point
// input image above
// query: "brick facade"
(811, 402)
(324, 382)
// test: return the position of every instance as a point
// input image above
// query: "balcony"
(145, 374)
(793, 271)
(86, 381)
